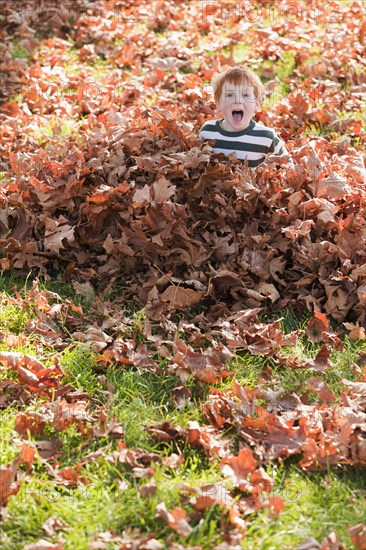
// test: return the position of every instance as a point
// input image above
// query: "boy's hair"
(238, 75)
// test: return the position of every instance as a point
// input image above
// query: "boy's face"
(238, 105)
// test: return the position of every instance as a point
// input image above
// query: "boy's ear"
(258, 104)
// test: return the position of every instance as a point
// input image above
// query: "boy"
(238, 93)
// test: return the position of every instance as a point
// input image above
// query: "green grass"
(312, 508)
(19, 52)
(52, 127)
(14, 318)
(81, 368)
(138, 399)
(358, 115)
(281, 69)
(286, 65)
(145, 396)
(8, 449)
(241, 52)
(111, 501)
(342, 362)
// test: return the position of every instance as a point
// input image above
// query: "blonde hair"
(238, 75)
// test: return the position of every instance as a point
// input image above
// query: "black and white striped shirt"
(252, 144)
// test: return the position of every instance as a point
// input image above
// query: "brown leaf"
(356, 331)
(8, 484)
(13, 359)
(208, 366)
(165, 431)
(211, 494)
(358, 536)
(331, 542)
(235, 519)
(53, 524)
(56, 234)
(237, 468)
(179, 298)
(68, 476)
(148, 489)
(320, 388)
(31, 422)
(333, 187)
(269, 291)
(27, 377)
(277, 504)
(162, 190)
(317, 325)
(142, 197)
(321, 361)
(97, 338)
(27, 454)
(264, 420)
(175, 518)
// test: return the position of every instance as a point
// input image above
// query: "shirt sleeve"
(201, 134)
(278, 148)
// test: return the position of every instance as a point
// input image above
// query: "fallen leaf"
(178, 297)
(317, 325)
(175, 518)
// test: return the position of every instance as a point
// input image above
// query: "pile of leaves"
(184, 228)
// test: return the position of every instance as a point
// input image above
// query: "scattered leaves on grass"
(129, 194)
(9, 482)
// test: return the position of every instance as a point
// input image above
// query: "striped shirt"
(252, 144)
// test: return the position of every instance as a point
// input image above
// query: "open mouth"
(238, 115)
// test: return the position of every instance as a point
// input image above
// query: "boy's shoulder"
(265, 130)
(210, 125)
